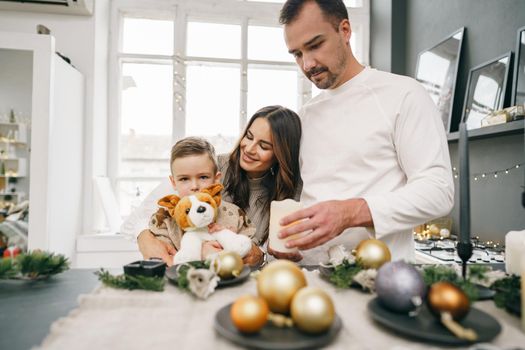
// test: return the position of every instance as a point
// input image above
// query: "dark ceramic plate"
(484, 293)
(245, 273)
(426, 327)
(272, 337)
(172, 274)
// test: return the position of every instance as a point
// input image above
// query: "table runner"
(121, 319)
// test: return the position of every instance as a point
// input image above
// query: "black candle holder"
(149, 268)
(465, 253)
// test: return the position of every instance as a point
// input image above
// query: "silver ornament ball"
(400, 287)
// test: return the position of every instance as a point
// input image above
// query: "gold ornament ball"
(312, 310)
(229, 265)
(249, 313)
(446, 297)
(372, 253)
(277, 284)
(434, 229)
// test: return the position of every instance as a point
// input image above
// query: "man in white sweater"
(374, 156)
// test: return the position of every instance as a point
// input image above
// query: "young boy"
(194, 167)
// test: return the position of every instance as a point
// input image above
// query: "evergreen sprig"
(478, 272)
(181, 280)
(344, 273)
(38, 263)
(33, 265)
(508, 294)
(440, 273)
(130, 282)
(7, 269)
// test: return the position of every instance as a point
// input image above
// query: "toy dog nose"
(201, 209)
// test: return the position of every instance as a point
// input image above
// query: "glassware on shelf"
(12, 116)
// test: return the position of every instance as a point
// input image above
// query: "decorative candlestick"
(464, 243)
(278, 210)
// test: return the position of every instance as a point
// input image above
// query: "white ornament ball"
(444, 233)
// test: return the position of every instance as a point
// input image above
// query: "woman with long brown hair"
(263, 166)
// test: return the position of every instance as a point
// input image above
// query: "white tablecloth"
(120, 319)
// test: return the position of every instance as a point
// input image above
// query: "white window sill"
(106, 242)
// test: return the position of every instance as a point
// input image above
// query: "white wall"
(16, 71)
(84, 39)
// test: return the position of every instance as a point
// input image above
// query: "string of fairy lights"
(494, 174)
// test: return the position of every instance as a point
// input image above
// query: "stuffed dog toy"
(193, 214)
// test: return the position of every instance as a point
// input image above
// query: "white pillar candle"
(514, 251)
(278, 210)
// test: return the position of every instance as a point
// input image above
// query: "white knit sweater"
(377, 137)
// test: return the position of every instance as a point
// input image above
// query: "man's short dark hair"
(333, 10)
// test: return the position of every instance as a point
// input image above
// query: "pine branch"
(182, 274)
(129, 282)
(439, 273)
(508, 293)
(7, 268)
(39, 264)
(478, 272)
(344, 274)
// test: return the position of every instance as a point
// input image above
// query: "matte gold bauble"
(312, 310)
(372, 253)
(249, 313)
(278, 282)
(446, 297)
(229, 264)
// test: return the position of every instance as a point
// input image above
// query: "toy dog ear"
(169, 202)
(215, 192)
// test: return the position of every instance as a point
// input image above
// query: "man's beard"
(331, 77)
(327, 82)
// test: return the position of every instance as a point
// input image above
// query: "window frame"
(211, 11)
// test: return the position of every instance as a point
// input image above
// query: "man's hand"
(325, 220)
(254, 256)
(210, 247)
(151, 247)
(288, 256)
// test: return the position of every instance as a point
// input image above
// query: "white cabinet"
(53, 166)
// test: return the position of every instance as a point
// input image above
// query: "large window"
(199, 68)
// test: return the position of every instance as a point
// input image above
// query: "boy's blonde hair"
(191, 146)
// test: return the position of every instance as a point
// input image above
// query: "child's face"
(193, 173)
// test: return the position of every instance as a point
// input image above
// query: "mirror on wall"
(437, 69)
(518, 87)
(486, 90)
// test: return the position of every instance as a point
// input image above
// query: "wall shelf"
(515, 127)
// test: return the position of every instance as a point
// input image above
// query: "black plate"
(427, 327)
(272, 337)
(173, 275)
(484, 293)
(245, 273)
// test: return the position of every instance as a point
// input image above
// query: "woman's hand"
(151, 247)
(209, 248)
(254, 257)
